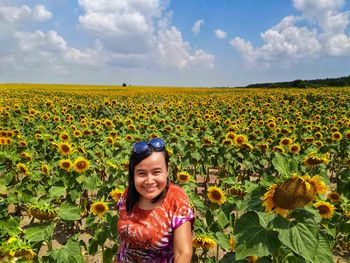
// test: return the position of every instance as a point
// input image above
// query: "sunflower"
(294, 192)
(227, 142)
(77, 133)
(64, 136)
(294, 148)
(81, 164)
(66, 164)
(207, 141)
(203, 241)
(278, 148)
(65, 148)
(110, 140)
(230, 135)
(183, 177)
(99, 208)
(334, 197)
(325, 209)
(116, 194)
(22, 168)
(45, 169)
(312, 160)
(262, 146)
(337, 136)
(286, 141)
(240, 139)
(347, 214)
(216, 195)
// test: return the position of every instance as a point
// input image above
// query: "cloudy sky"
(173, 42)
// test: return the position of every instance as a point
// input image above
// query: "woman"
(155, 216)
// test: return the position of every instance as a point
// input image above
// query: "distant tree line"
(299, 83)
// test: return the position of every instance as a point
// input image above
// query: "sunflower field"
(267, 170)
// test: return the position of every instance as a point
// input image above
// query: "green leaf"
(10, 226)
(69, 212)
(196, 156)
(38, 233)
(109, 254)
(92, 182)
(223, 241)
(57, 191)
(324, 252)
(69, 253)
(253, 235)
(222, 219)
(281, 164)
(298, 235)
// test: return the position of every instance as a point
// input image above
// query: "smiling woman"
(155, 217)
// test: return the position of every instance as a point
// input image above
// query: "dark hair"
(133, 195)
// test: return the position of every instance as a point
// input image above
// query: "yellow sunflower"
(22, 168)
(65, 148)
(325, 209)
(240, 139)
(64, 136)
(45, 169)
(99, 208)
(286, 141)
(66, 164)
(81, 164)
(216, 195)
(183, 177)
(337, 136)
(294, 148)
(116, 194)
(203, 241)
(334, 197)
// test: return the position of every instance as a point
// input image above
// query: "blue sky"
(202, 43)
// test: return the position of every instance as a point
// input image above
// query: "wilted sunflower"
(216, 195)
(294, 192)
(203, 241)
(334, 197)
(116, 194)
(99, 208)
(81, 164)
(64, 148)
(66, 164)
(183, 177)
(313, 159)
(325, 209)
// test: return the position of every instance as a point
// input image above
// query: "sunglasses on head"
(156, 144)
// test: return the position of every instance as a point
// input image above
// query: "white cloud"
(288, 42)
(220, 34)
(174, 52)
(197, 26)
(12, 14)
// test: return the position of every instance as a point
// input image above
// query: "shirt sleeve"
(183, 211)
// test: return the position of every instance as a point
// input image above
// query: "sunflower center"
(293, 193)
(66, 164)
(240, 140)
(183, 177)
(323, 209)
(65, 148)
(100, 208)
(81, 165)
(216, 195)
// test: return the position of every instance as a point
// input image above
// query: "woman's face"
(150, 176)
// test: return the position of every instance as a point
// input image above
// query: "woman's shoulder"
(176, 192)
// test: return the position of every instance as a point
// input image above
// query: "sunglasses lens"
(140, 147)
(157, 143)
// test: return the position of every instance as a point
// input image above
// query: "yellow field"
(267, 170)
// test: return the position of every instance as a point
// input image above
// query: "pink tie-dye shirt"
(147, 235)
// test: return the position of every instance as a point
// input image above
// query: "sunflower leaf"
(281, 164)
(69, 212)
(299, 235)
(254, 236)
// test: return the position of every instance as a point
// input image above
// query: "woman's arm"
(183, 243)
